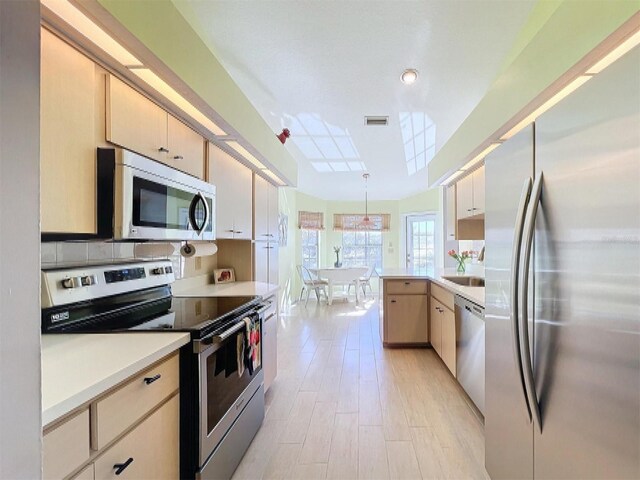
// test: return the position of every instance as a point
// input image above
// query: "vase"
(461, 266)
(337, 264)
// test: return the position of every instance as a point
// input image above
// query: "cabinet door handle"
(150, 380)
(407, 283)
(163, 150)
(229, 231)
(393, 301)
(468, 209)
(178, 157)
(121, 467)
(237, 231)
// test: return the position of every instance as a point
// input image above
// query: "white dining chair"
(310, 282)
(365, 281)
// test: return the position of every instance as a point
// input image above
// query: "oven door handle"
(230, 331)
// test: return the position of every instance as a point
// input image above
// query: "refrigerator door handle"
(515, 271)
(525, 351)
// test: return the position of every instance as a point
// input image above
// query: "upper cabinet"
(186, 148)
(136, 123)
(70, 107)
(470, 195)
(450, 213)
(265, 200)
(234, 194)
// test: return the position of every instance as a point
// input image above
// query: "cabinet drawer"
(409, 287)
(86, 473)
(151, 449)
(116, 412)
(66, 447)
(443, 295)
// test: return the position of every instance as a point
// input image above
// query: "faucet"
(481, 255)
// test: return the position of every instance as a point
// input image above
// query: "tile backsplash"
(71, 254)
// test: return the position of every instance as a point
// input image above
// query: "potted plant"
(338, 264)
(461, 258)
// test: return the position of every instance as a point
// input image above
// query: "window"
(362, 249)
(310, 248)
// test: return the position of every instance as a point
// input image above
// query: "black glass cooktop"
(153, 309)
(200, 314)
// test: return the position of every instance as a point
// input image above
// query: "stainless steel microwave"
(141, 199)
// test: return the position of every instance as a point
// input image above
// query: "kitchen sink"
(467, 281)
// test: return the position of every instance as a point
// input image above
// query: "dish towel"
(240, 354)
(252, 344)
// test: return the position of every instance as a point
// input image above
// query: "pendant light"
(366, 223)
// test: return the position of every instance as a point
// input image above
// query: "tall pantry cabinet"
(265, 231)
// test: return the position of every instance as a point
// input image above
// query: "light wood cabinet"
(266, 262)
(450, 213)
(150, 450)
(69, 113)
(136, 123)
(407, 316)
(443, 333)
(234, 195)
(66, 446)
(270, 346)
(436, 326)
(115, 413)
(87, 473)
(186, 148)
(478, 191)
(261, 262)
(404, 312)
(265, 210)
(470, 195)
(449, 340)
(132, 421)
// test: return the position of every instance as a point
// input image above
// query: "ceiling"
(318, 67)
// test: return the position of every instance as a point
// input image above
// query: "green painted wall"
(428, 201)
(568, 33)
(164, 31)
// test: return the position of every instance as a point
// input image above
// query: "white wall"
(20, 397)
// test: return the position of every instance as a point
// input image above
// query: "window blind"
(352, 222)
(311, 220)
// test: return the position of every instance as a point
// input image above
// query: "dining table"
(341, 276)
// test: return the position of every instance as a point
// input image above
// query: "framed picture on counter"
(224, 275)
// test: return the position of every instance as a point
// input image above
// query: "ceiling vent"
(373, 120)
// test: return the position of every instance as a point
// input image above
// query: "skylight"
(329, 147)
(419, 138)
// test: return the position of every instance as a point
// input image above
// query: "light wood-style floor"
(343, 407)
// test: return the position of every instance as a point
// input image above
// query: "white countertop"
(234, 289)
(78, 367)
(474, 294)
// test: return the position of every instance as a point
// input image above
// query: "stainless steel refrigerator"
(563, 288)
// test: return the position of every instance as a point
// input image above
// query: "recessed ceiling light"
(409, 76)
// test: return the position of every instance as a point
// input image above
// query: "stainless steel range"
(221, 378)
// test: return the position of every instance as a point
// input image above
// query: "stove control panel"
(63, 286)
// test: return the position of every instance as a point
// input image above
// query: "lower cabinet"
(132, 431)
(405, 312)
(270, 346)
(150, 450)
(443, 333)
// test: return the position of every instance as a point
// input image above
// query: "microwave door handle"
(192, 213)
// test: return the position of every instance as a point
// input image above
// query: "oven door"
(223, 390)
(157, 202)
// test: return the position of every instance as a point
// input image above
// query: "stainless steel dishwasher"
(470, 349)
